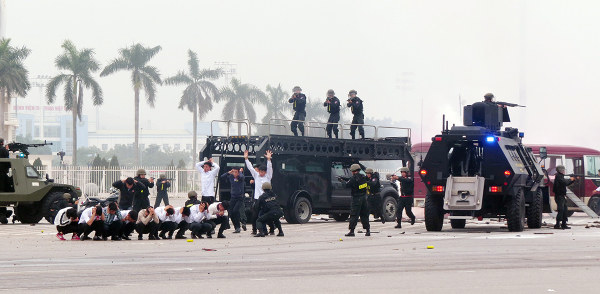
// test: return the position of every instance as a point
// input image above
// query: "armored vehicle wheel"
(515, 215)
(29, 213)
(390, 205)
(534, 211)
(302, 211)
(594, 204)
(48, 204)
(434, 213)
(341, 217)
(458, 223)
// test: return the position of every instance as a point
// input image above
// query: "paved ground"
(311, 258)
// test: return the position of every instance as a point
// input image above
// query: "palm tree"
(199, 93)
(240, 100)
(135, 59)
(79, 66)
(277, 107)
(13, 76)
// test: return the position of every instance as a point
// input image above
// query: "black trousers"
(271, 216)
(127, 229)
(161, 196)
(140, 203)
(375, 204)
(405, 203)
(209, 199)
(360, 209)
(70, 228)
(150, 228)
(561, 203)
(169, 227)
(236, 204)
(182, 228)
(334, 118)
(255, 216)
(200, 228)
(299, 115)
(223, 221)
(97, 226)
(358, 119)
(113, 229)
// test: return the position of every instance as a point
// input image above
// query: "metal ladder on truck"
(580, 204)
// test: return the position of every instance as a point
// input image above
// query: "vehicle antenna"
(421, 151)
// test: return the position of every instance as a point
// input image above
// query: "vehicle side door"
(340, 195)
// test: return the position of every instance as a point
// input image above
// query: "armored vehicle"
(22, 187)
(478, 170)
(305, 169)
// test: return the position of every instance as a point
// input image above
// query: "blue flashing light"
(490, 139)
(21, 155)
(521, 135)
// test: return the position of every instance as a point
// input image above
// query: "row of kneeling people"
(160, 222)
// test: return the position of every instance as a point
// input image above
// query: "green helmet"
(66, 196)
(267, 186)
(488, 96)
(354, 167)
(192, 194)
(560, 168)
(330, 92)
(352, 92)
(297, 88)
(141, 171)
(369, 170)
(404, 169)
(162, 176)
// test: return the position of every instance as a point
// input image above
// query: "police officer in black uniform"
(356, 105)
(333, 107)
(144, 201)
(358, 184)
(299, 101)
(406, 199)
(3, 149)
(373, 189)
(270, 211)
(560, 196)
(4, 212)
(192, 199)
(162, 185)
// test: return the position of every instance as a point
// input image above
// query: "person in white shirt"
(128, 217)
(218, 215)
(183, 221)
(167, 218)
(66, 222)
(92, 219)
(200, 218)
(263, 175)
(207, 176)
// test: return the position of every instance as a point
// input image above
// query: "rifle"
(342, 178)
(575, 175)
(509, 104)
(23, 148)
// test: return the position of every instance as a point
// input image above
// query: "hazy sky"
(450, 48)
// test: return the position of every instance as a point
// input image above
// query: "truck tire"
(302, 211)
(434, 213)
(458, 223)
(48, 202)
(29, 213)
(594, 204)
(389, 206)
(515, 215)
(340, 217)
(534, 212)
(288, 215)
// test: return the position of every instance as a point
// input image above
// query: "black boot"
(280, 233)
(368, 233)
(557, 226)
(350, 234)
(398, 226)
(564, 226)
(412, 220)
(260, 234)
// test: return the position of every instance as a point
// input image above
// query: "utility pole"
(41, 82)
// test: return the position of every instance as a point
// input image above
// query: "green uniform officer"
(358, 184)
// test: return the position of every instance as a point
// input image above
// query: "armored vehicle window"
(592, 165)
(289, 166)
(338, 170)
(314, 167)
(31, 172)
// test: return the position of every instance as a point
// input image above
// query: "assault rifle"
(23, 148)
(509, 104)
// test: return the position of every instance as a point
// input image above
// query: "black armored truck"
(479, 170)
(306, 169)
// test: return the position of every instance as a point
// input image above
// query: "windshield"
(592, 165)
(31, 172)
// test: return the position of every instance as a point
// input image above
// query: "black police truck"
(306, 170)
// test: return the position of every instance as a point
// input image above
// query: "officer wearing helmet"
(162, 185)
(490, 101)
(333, 107)
(359, 208)
(373, 189)
(143, 201)
(406, 199)
(192, 199)
(560, 196)
(356, 105)
(299, 101)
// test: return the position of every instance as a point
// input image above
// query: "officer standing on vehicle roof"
(373, 189)
(560, 193)
(162, 184)
(356, 105)
(489, 100)
(299, 101)
(406, 199)
(358, 184)
(333, 107)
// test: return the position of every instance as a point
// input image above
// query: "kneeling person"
(66, 222)
(168, 223)
(147, 223)
(218, 215)
(92, 219)
(271, 211)
(112, 222)
(129, 218)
